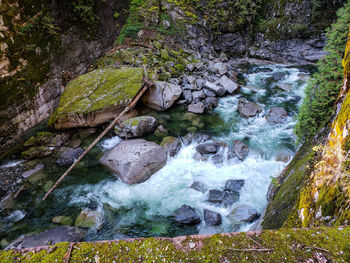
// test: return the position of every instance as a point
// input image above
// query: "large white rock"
(135, 161)
(228, 84)
(162, 96)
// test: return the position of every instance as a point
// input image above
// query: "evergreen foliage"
(323, 88)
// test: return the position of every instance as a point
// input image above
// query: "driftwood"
(146, 85)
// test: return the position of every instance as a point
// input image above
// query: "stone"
(187, 95)
(217, 159)
(212, 218)
(136, 127)
(187, 215)
(211, 103)
(196, 107)
(89, 219)
(96, 97)
(209, 93)
(199, 157)
(220, 68)
(134, 161)
(198, 95)
(161, 132)
(199, 186)
(7, 202)
(218, 90)
(208, 148)
(234, 185)
(276, 115)
(62, 220)
(279, 76)
(228, 84)
(74, 144)
(69, 156)
(35, 174)
(36, 152)
(224, 198)
(248, 109)
(190, 67)
(233, 75)
(164, 54)
(244, 214)
(53, 236)
(240, 149)
(200, 83)
(285, 86)
(162, 96)
(171, 145)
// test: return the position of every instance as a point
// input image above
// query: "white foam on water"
(109, 143)
(11, 164)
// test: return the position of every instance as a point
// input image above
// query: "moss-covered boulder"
(96, 97)
(171, 145)
(136, 127)
(89, 219)
(36, 152)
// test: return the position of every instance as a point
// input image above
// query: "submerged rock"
(35, 174)
(171, 145)
(53, 236)
(279, 76)
(240, 149)
(187, 215)
(224, 198)
(89, 219)
(96, 97)
(244, 214)
(62, 220)
(36, 152)
(69, 156)
(207, 148)
(248, 109)
(277, 115)
(212, 218)
(135, 161)
(161, 131)
(162, 96)
(136, 127)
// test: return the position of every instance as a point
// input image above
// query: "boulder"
(69, 156)
(187, 215)
(240, 149)
(89, 219)
(135, 161)
(244, 214)
(162, 96)
(7, 202)
(36, 152)
(35, 174)
(228, 84)
(96, 97)
(196, 107)
(199, 186)
(220, 68)
(161, 132)
(208, 148)
(224, 198)
(171, 145)
(62, 220)
(53, 236)
(279, 76)
(285, 86)
(212, 218)
(198, 95)
(211, 103)
(217, 158)
(209, 93)
(234, 185)
(218, 90)
(187, 95)
(248, 109)
(277, 115)
(136, 127)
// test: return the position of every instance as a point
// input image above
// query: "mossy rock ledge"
(96, 97)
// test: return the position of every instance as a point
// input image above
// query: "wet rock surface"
(135, 161)
(240, 149)
(277, 115)
(187, 215)
(224, 198)
(212, 218)
(69, 156)
(248, 109)
(244, 213)
(208, 148)
(136, 127)
(234, 185)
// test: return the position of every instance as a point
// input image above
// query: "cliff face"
(315, 188)
(43, 45)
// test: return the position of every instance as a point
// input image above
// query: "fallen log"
(146, 84)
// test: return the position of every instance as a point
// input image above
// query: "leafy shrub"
(323, 88)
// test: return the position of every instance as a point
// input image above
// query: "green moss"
(97, 90)
(36, 152)
(287, 245)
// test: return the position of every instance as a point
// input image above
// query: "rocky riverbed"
(211, 141)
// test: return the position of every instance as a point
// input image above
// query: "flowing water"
(146, 209)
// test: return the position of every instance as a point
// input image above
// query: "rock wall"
(314, 189)
(43, 45)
